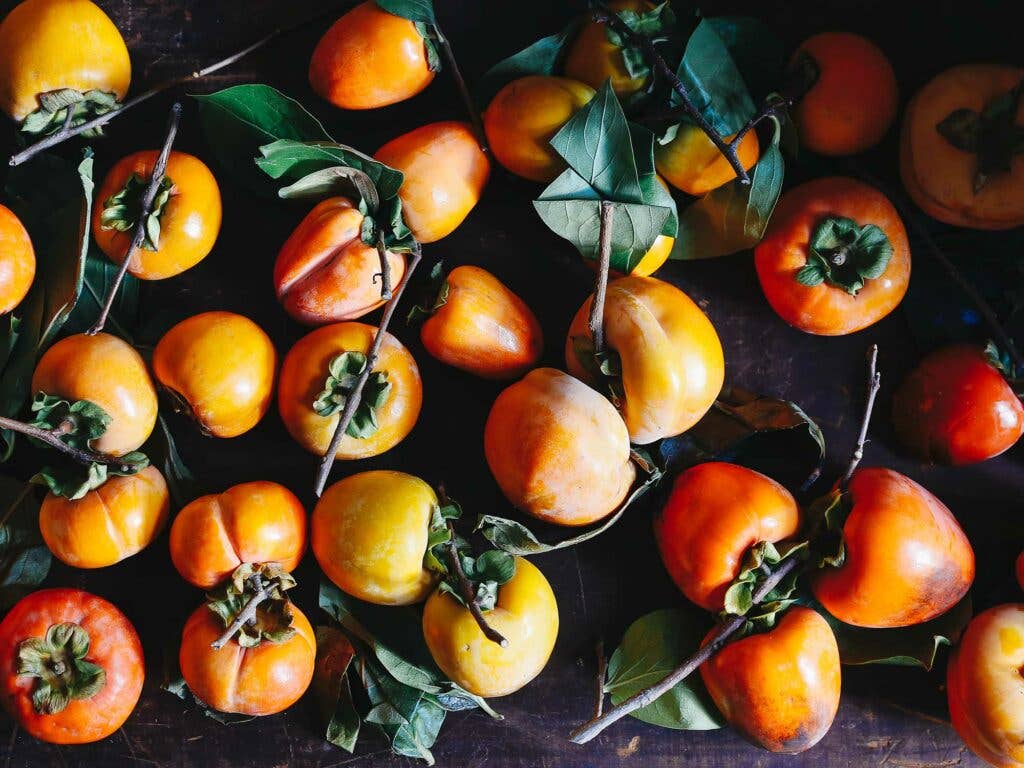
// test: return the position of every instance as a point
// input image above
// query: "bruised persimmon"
(17, 261)
(692, 164)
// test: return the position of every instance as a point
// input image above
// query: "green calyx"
(434, 295)
(845, 254)
(654, 24)
(57, 662)
(759, 562)
(604, 367)
(344, 372)
(827, 516)
(121, 210)
(267, 583)
(992, 135)
(70, 108)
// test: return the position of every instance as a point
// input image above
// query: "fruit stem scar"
(874, 384)
(596, 321)
(468, 592)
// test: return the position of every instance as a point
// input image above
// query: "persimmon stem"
(604, 256)
(874, 384)
(602, 669)
(248, 612)
(385, 268)
(460, 83)
(157, 177)
(718, 640)
(52, 439)
(468, 592)
(352, 403)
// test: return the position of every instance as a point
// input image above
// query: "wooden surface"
(889, 716)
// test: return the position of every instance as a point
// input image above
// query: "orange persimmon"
(17, 261)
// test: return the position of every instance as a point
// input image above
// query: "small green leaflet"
(81, 422)
(414, 10)
(344, 372)
(66, 477)
(121, 210)
(540, 58)
(52, 114)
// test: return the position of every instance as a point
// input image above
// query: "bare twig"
(52, 439)
(385, 268)
(159, 169)
(352, 403)
(874, 384)
(596, 321)
(602, 669)
(468, 592)
(248, 612)
(460, 83)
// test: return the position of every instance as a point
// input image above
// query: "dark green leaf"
(24, 558)
(541, 58)
(163, 449)
(414, 10)
(100, 273)
(175, 684)
(713, 81)
(409, 718)
(758, 53)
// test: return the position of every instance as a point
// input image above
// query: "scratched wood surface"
(889, 716)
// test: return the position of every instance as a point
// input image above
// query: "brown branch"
(248, 612)
(385, 268)
(602, 669)
(874, 384)
(460, 83)
(468, 592)
(52, 439)
(352, 403)
(159, 169)
(596, 321)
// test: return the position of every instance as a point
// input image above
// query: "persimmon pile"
(641, 138)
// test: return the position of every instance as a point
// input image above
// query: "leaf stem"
(468, 592)
(159, 169)
(385, 268)
(248, 612)
(596, 321)
(52, 438)
(460, 83)
(874, 384)
(352, 403)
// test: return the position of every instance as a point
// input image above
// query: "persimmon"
(692, 164)
(17, 261)
(958, 160)
(370, 535)
(256, 523)
(984, 685)
(558, 449)
(955, 407)
(592, 58)
(182, 227)
(653, 260)
(325, 272)
(671, 361)
(73, 666)
(779, 688)
(525, 613)
(389, 415)
(853, 98)
(714, 515)
(835, 257)
(50, 45)
(445, 175)
(106, 371)
(906, 558)
(478, 325)
(522, 118)
(108, 524)
(219, 368)
(370, 58)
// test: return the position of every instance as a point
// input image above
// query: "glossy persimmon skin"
(445, 175)
(189, 223)
(17, 261)
(483, 328)
(692, 164)
(525, 613)
(907, 559)
(672, 361)
(780, 689)
(325, 273)
(108, 524)
(110, 373)
(222, 365)
(823, 309)
(851, 105)
(558, 449)
(53, 44)
(258, 522)
(114, 645)
(956, 408)
(524, 115)
(369, 58)
(938, 176)
(984, 686)
(592, 58)
(714, 515)
(305, 370)
(256, 681)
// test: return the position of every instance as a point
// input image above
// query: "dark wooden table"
(889, 716)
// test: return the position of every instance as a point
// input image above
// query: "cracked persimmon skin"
(672, 360)
(906, 560)
(222, 365)
(714, 515)
(110, 373)
(263, 680)
(558, 449)
(853, 102)
(938, 176)
(369, 58)
(325, 273)
(780, 689)
(985, 685)
(956, 408)
(53, 44)
(17, 261)
(258, 522)
(189, 223)
(108, 524)
(445, 175)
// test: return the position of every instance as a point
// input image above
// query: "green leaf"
(540, 58)
(66, 477)
(163, 450)
(414, 10)
(757, 51)
(433, 295)
(24, 558)
(174, 684)
(653, 646)
(713, 81)
(100, 273)
(409, 718)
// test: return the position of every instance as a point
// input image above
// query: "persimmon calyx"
(122, 209)
(759, 562)
(67, 108)
(604, 367)
(655, 24)
(254, 605)
(827, 516)
(76, 423)
(58, 663)
(1002, 361)
(343, 373)
(433, 296)
(992, 134)
(845, 255)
